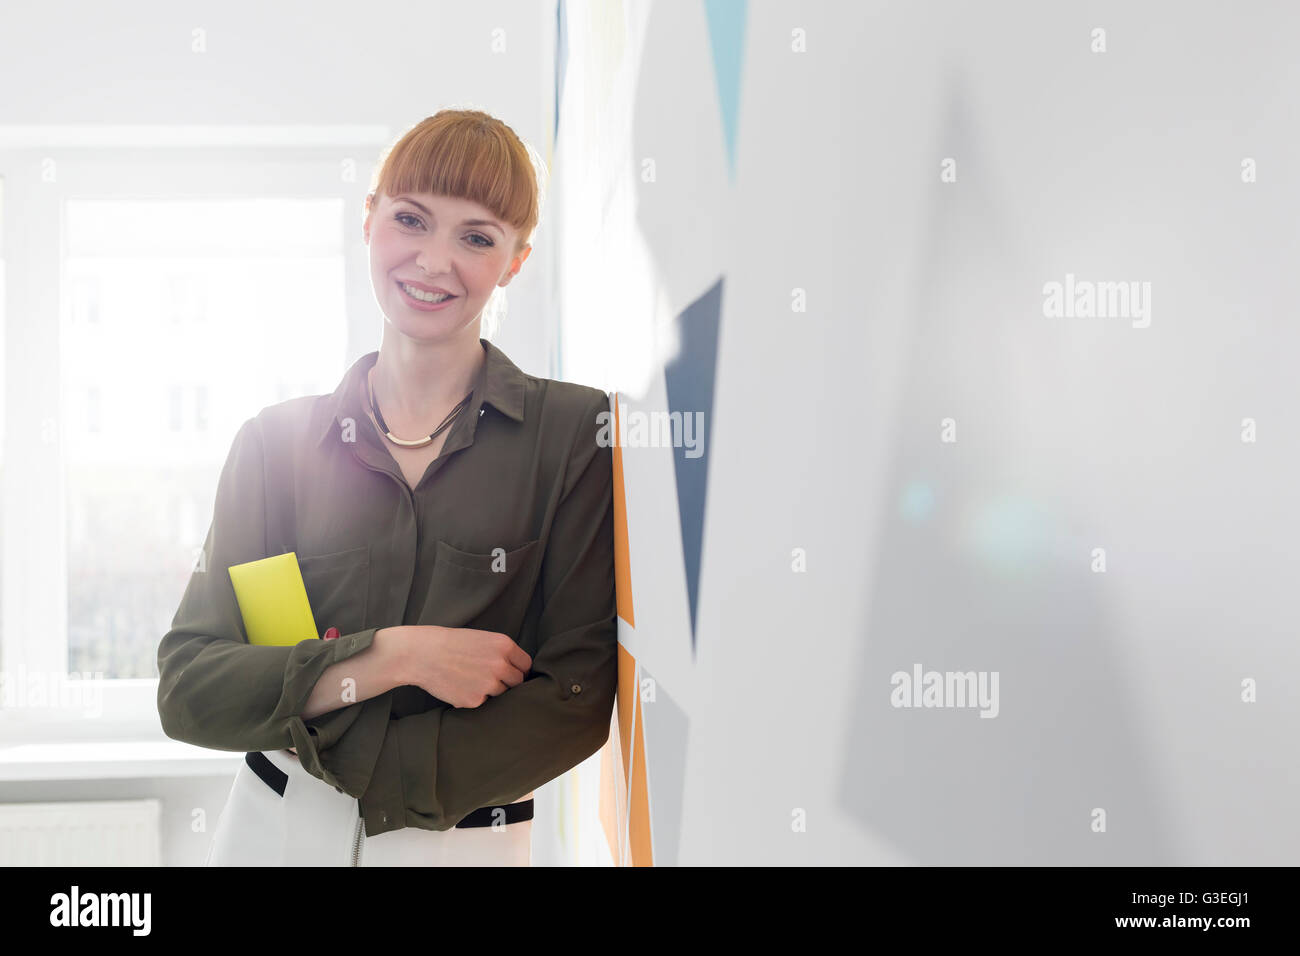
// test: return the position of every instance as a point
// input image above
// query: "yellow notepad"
(273, 600)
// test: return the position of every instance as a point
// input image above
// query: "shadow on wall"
(983, 564)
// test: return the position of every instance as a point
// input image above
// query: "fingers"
(518, 657)
(513, 676)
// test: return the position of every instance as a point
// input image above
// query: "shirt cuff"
(340, 746)
(384, 808)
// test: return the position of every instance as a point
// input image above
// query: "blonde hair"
(468, 154)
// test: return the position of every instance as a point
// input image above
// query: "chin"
(429, 326)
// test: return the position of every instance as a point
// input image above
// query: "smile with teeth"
(425, 296)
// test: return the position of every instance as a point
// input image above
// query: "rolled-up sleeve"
(436, 767)
(217, 690)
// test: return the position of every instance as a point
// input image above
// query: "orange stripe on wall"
(631, 738)
(622, 565)
(639, 799)
(615, 758)
(631, 800)
(625, 702)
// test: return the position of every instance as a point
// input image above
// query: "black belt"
(514, 813)
(277, 780)
(271, 775)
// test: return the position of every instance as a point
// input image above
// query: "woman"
(452, 518)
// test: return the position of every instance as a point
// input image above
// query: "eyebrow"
(466, 222)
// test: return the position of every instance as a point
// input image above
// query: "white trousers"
(313, 824)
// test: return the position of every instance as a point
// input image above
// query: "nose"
(434, 258)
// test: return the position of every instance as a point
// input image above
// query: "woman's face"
(437, 242)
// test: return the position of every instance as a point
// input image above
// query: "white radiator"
(100, 833)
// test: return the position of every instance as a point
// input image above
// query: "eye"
(486, 241)
(402, 216)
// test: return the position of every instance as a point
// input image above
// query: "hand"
(461, 665)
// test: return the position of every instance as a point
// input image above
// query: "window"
(269, 274)
(164, 297)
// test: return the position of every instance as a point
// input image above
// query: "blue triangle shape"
(727, 38)
(689, 379)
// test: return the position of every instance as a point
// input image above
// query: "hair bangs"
(468, 155)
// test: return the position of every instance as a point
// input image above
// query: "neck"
(416, 383)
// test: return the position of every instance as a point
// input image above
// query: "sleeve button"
(576, 688)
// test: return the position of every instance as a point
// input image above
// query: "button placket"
(404, 551)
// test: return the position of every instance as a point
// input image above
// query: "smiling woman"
(452, 519)
(448, 219)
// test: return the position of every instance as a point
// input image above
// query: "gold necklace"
(418, 442)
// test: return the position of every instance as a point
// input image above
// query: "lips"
(436, 290)
(421, 304)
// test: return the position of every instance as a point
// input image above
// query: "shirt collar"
(500, 383)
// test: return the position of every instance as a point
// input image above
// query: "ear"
(365, 222)
(523, 257)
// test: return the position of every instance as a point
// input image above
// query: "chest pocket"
(337, 587)
(489, 592)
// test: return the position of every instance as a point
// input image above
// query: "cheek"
(483, 274)
(378, 253)
(386, 248)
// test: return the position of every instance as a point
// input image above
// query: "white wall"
(924, 301)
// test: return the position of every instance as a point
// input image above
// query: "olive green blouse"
(510, 529)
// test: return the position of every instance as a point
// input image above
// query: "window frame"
(116, 163)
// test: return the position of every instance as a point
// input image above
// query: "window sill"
(113, 760)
